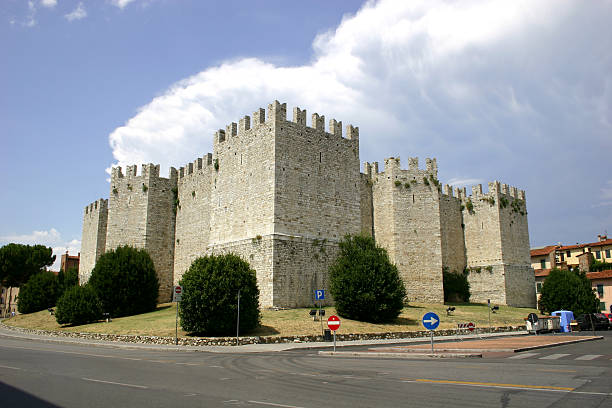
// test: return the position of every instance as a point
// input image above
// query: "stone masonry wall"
(193, 214)
(141, 215)
(483, 246)
(451, 226)
(366, 205)
(93, 241)
(301, 265)
(415, 231)
(317, 190)
(243, 177)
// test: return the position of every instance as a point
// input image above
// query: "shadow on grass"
(163, 307)
(405, 321)
(263, 330)
(413, 307)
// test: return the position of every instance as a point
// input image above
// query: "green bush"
(210, 296)
(39, 293)
(78, 305)
(456, 287)
(124, 280)
(365, 285)
(568, 290)
(600, 266)
(67, 279)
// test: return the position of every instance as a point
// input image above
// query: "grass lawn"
(161, 322)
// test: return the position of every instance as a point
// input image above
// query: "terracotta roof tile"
(542, 251)
(600, 275)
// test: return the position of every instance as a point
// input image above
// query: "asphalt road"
(38, 374)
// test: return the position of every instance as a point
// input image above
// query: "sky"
(519, 92)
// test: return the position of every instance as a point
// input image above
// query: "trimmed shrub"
(456, 287)
(78, 305)
(365, 285)
(125, 281)
(568, 290)
(39, 293)
(67, 279)
(210, 296)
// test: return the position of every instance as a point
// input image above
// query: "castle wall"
(93, 241)
(282, 194)
(415, 231)
(483, 247)
(259, 253)
(192, 233)
(317, 182)
(451, 231)
(366, 205)
(141, 215)
(242, 189)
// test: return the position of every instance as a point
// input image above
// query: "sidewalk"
(247, 348)
(470, 348)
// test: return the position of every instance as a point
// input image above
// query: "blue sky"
(519, 92)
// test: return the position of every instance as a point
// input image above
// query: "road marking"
(589, 357)
(188, 364)
(115, 383)
(9, 367)
(552, 370)
(493, 385)
(272, 404)
(524, 355)
(554, 356)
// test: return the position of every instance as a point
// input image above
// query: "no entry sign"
(333, 322)
(178, 293)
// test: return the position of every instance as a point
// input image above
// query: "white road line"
(524, 355)
(589, 357)
(115, 383)
(9, 367)
(273, 404)
(554, 356)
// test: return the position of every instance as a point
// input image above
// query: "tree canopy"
(568, 290)
(124, 280)
(365, 285)
(38, 293)
(210, 296)
(19, 262)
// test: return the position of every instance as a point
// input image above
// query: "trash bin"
(327, 336)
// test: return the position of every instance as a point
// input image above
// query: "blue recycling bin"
(566, 317)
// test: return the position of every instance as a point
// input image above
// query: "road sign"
(178, 293)
(319, 294)
(333, 322)
(470, 326)
(431, 321)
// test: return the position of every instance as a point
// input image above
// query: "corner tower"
(93, 241)
(142, 214)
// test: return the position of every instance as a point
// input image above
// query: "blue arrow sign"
(431, 321)
(319, 294)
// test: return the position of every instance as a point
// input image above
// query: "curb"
(408, 355)
(557, 344)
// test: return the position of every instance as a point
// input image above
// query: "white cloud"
(491, 88)
(77, 14)
(121, 3)
(50, 238)
(31, 17)
(49, 3)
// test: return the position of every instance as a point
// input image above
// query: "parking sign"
(319, 294)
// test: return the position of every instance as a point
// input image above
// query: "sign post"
(320, 295)
(431, 322)
(177, 296)
(333, 323)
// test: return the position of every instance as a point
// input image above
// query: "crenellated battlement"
(148, 171)
(496, 189)
(277, 113)
(276, 187)
(97, 206)
(201, 163)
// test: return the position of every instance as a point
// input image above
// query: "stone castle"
(282, 194)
